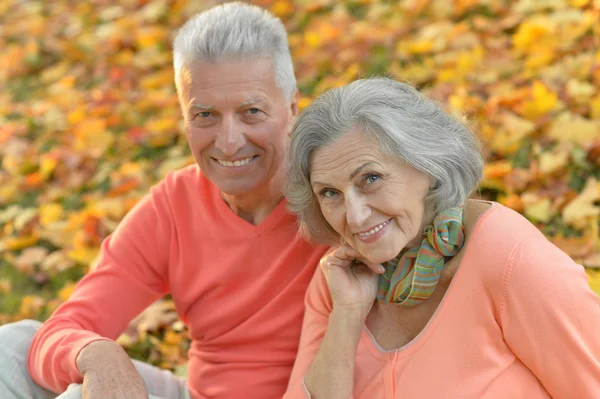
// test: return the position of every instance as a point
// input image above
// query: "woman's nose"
(357, 211)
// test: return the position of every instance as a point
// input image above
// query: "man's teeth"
(240, 162)
(374, 229)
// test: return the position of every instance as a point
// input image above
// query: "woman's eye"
(372, 178)
(327, 193)
(204, 114)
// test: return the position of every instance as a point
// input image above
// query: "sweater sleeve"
(130, 275)
(551, 319)
(318, 306)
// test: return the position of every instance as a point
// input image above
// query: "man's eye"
(253, 111)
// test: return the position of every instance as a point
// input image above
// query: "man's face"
(237, 122)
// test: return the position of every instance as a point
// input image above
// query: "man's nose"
(357, 210)
(230, 138)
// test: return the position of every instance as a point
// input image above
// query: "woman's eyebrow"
(352, 175)
(361, 167)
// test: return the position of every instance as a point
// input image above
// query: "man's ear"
(294, 112)
(294, 104)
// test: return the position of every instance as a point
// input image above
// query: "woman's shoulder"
(488, 222)
(493, 232)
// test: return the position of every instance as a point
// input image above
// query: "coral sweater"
(519, 320)
(239, 288)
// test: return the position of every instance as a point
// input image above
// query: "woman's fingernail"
(381, 269)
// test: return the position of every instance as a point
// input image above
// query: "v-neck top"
(238, 287)
(518, 320)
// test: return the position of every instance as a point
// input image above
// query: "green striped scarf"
(411, 278)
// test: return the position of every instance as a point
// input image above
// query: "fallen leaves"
(89, 119)
(584, 210)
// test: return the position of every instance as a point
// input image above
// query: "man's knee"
(17, 337)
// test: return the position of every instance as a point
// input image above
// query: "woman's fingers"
(346, 256)
(375, 267)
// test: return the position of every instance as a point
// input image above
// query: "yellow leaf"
(112, 207)
(50, 213)
(92, 135)
(65, 292)
(528, 34)
(420, 46)
(76, 115)
(15, 243)
(553, 161)
(508, 139)
(47, 166)
(543, 100)
(282, 8)
(540, 57)
(174, 163)
(581, 91)
(312, 39)
(24, 217)
(512, 201)
(568, 127)
(518, 127)
(537, 208)
(157, 80)
(83, 255)
(496, 170)
(594, 280)
(595, 107)
(579, 3)
(172, 338)
(150, 36)
(581, 209)
(30, 306)
(165, 124)
(130, 169)
(125, 340)
(304, 102)
(8, 191)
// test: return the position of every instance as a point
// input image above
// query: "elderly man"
(215, 235)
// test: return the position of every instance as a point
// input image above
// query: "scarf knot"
(411, 278)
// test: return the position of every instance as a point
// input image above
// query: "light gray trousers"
(15, 382)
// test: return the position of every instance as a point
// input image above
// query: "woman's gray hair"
(406, 124)
(236, 32)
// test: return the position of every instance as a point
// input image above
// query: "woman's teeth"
(374, 229)
(238, 163)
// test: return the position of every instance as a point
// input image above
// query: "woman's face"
(373, 200)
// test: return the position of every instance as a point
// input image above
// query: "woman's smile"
(374, 233)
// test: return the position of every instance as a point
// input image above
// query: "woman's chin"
(381, 257)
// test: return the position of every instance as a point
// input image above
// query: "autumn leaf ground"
(89, 120)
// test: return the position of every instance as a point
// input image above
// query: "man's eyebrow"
(202, 107)
(252, 101)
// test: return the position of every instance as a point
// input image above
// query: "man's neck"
(256, 206)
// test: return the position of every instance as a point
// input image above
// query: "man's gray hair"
(406, 124)
(236, 32)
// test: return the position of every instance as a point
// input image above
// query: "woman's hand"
(108, 373)
(352, 282)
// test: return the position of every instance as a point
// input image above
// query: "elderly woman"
(429, 294)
